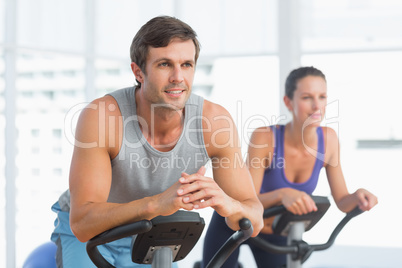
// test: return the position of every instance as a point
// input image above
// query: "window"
(48, 24)
(43, 156)
(2, 156)
(252, 100)
(112, 75)
(57, 133)
(234, 27)
(351, 25)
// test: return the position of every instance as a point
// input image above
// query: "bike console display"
(179, 232)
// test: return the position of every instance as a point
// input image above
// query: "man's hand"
(169, 201)
(204, 192)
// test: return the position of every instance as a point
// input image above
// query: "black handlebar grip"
(245, 224)
(247, 228)
(356, 211)
(245, 232)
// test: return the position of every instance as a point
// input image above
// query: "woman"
(285, 162)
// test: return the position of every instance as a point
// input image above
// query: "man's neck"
(162, 127)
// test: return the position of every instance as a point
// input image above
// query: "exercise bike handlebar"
(355, 212)
(273, 211)
(296, 248)
(111, 235)
(144, 226)
(245, 232)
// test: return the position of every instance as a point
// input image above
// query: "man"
(140, 151)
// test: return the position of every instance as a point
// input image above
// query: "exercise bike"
(293, 226)
(165, 239)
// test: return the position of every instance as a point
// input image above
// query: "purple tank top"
(274, 176)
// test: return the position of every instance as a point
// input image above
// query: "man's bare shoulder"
(217, 118)
(95, 119)
(106, 105)
(108, 102)
(212, 110)
(220, 132)
(262, 135)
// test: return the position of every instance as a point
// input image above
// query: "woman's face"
(309, 101)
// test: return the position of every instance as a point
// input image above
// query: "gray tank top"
(139, 170)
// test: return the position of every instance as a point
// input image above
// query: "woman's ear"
(139, 75)
(288, 103)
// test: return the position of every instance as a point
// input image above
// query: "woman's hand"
(297, 202)
(366, 200)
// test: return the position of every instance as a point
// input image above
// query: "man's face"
(169, 74)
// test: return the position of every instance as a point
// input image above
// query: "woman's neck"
(299, 135)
